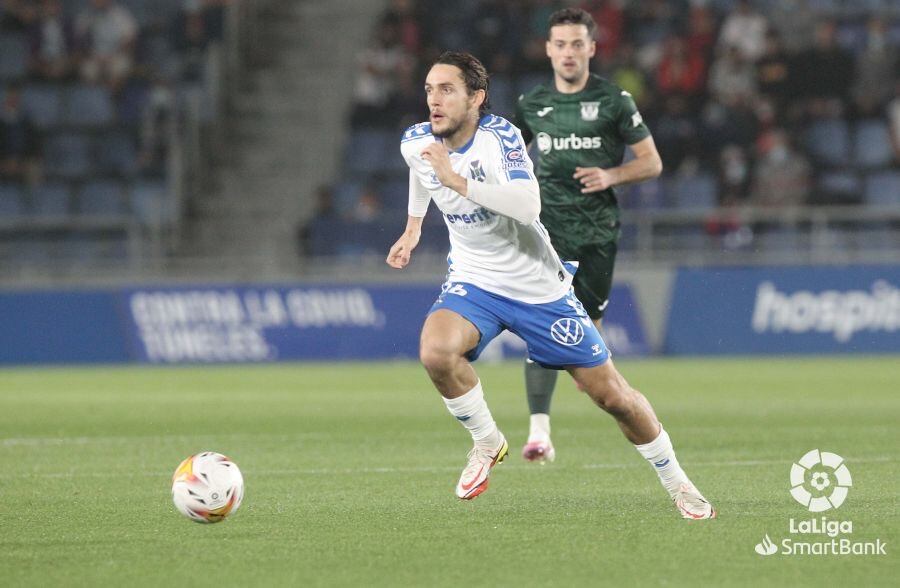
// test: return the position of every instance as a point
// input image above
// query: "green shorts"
(594, 277)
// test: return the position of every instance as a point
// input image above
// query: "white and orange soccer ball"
(207, 487)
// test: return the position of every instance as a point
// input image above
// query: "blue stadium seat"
(12, 203)
(872, 144)
(13, 56)
(647, 195)
(117, 154)
(89, 106)
(828, 141)
(150, 203)
(503, 96)
(837, 187)
(698, 192)
(43, 103)
(395, 193)
(346, 194)
(883, 189)
(50, 200)
(102, 197)
(368, 150)
(68, 155)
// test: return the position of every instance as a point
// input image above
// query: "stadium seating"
(68, 155)
(89, 106)
(828, 141)
(12, 202)
(102, 197)
(51, 200)
(13, 56)
(43, 104)
(872, 144)
(883, 189)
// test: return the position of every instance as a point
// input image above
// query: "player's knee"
(437, 357)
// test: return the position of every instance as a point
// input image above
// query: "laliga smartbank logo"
(820, 481)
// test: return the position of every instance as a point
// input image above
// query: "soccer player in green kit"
(581, 124)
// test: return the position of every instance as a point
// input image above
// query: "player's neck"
(462, 136)
(563, 86)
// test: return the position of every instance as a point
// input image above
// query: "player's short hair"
(573, 16)
(474, 74)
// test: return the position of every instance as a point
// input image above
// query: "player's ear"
(592, 49)
(547, 47)
(478, 98)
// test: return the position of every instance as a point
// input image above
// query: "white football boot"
(692, 505)
(474, 479)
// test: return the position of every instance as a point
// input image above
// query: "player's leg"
(592, 284)
(635, 416)
(449, 339)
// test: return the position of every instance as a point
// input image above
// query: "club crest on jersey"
(476, 171)
(590, 110)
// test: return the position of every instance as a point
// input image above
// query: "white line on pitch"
(424, 469)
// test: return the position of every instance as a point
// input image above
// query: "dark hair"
(573, 16)
(474, 74)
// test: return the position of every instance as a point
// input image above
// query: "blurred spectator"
(401, 15)
(676, 132)
(680, 71)
(745, 30)
(734, 175)
(773, 71)
(625, 73)
(156, 119)
(823, 75)
(498, 31)
(782, 177)
(876, 63)
(368, 205)
(701, 32)
(610, 20)
(324, 209)
(19, 148)
(191, 41)
(17, 16)
(795, 21)
(52, 42)
(107, 32)
(893, 116)
(732, 79)
(376, 82)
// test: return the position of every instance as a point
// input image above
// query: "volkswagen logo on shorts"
(567, 331)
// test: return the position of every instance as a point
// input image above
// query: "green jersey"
(589, 128)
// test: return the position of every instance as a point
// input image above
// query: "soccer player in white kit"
(505, 274)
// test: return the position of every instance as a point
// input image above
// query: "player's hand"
(401, 251)
(594, 179)
(439, 159)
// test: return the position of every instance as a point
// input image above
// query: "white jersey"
(488, 250)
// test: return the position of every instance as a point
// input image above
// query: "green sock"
(539, 385)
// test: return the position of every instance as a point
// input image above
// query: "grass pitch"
(350, 471)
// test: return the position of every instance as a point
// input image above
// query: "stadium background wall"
(684, 312)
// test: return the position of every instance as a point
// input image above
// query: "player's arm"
(645, 165)
(519, 199)
(400, 253)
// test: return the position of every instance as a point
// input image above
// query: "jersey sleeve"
(419, 198)
(630, 123)
(519, 121)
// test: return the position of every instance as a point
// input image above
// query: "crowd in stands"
(762, 103)
(87, 89)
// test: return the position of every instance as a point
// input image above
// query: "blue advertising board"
(785, 310)
(237, 324)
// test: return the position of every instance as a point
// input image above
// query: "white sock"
(661, 456)
(540, 427)
(472, 412)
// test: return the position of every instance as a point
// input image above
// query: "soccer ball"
(207, 487)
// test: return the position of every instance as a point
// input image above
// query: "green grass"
(350, 471)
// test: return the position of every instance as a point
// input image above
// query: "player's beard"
(453, 127)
